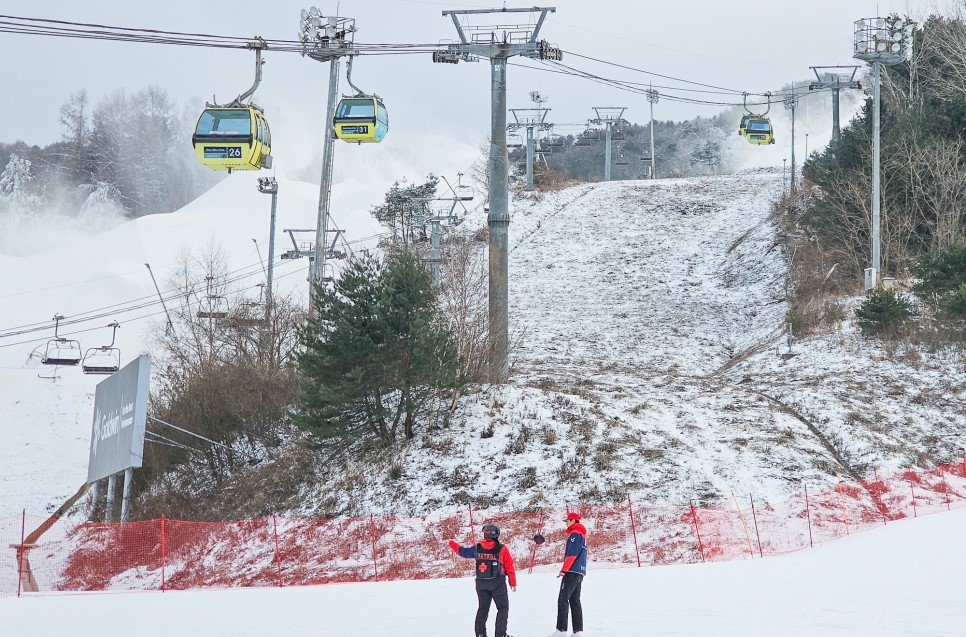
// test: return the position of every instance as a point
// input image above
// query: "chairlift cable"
(171, 295)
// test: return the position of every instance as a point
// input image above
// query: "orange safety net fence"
(168, 554)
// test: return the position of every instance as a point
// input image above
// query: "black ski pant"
(569, 598)
(495, 591)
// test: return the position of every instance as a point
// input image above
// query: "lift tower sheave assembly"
(835, 80)
(498, 43)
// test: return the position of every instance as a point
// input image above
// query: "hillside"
(650, 357)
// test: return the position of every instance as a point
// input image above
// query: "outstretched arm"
(468, 552)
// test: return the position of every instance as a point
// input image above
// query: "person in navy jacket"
(494, 566)
(573, 570)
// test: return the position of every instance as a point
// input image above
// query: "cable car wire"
(62, 28)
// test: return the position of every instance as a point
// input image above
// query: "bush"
(954, 303)
(883, 310)
(941, 273)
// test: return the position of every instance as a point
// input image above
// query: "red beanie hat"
(573, 515)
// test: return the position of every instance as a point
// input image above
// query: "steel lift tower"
(836, 81)
(653, 97)
(498, 42)
(530, 119)
(325, 39)
(608, 117)
(880, 41)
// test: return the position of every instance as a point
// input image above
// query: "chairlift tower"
(791, 103)
(530, 119)
(653, 97)
(268, 186)
(880, 41)
(498, 42)
(326, 39)
(608, 117)
(436, 221)
(836, 81)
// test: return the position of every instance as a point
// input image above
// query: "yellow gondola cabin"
(361, 119)
(233, 138)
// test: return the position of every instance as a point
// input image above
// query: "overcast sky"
(745, 45)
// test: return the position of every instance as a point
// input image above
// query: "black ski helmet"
(491, 532)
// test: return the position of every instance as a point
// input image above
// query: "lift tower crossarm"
(835, 81)
(481, 41)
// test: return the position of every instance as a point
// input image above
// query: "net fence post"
(372, 529)
(697, 530)
(845, 513)
(162, 553)
(278, 555)
(808, 517)
(20, 551)
(754, 516)
(751, 549)
(630, 510)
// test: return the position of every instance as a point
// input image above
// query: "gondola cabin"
(233, 138)
(759, 131)
(743, 125)
(361, 119)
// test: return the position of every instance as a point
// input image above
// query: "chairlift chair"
(251, 313)
(105, 359)
(217, 308)
(60, 350)
(216, 305)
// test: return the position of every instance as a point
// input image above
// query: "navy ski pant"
(495, 592)
(569, 598)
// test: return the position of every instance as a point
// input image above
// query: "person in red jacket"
(494, 566)
(573, 570)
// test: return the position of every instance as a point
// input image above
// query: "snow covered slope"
(649, 356)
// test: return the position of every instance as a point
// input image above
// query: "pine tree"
(406, 209)
(17, 187)
(377, 359)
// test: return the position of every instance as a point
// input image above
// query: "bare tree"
(463, 300)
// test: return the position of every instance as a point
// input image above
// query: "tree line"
(129, 150)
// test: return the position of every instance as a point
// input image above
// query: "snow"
(653, 363)
(901, 579)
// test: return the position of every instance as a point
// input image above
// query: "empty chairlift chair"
(213, 306)
(60, 350)
(105, 359)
